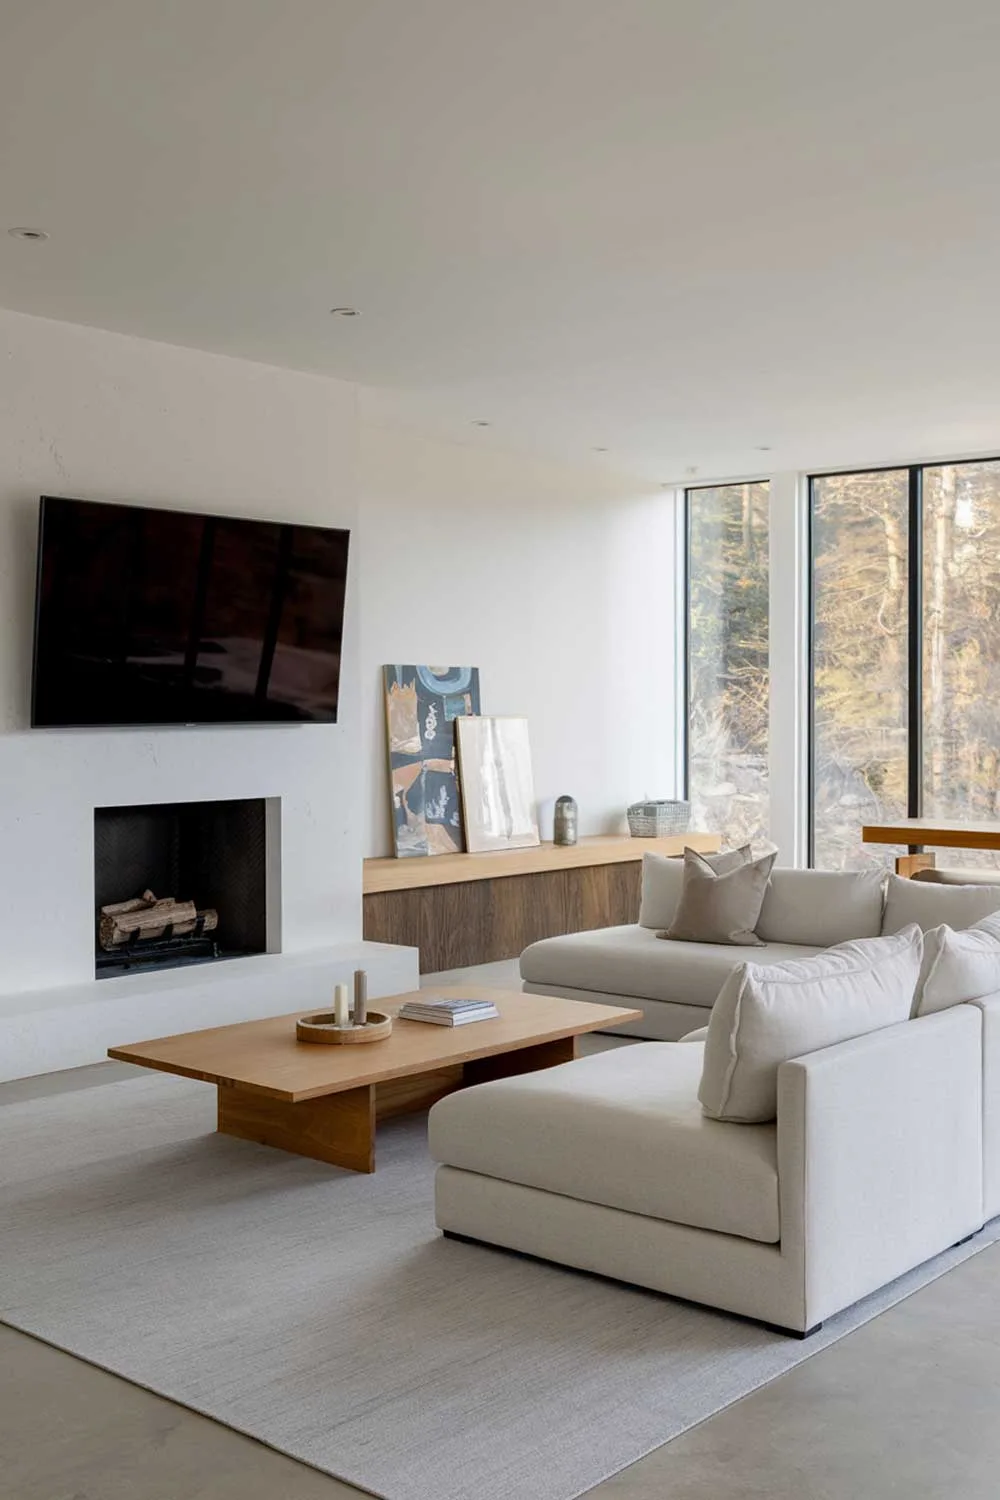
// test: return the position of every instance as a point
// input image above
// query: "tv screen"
(162, 617)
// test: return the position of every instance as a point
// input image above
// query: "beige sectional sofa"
(880, 1152)
(675, 984)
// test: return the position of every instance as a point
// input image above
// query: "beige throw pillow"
(767, 1014)
(663, 877)
(959, 966)
(720, 904)
(727, 860)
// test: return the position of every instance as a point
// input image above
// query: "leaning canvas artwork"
(421, 706)
(498, 793)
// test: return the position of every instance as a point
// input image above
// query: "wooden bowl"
(323, 1028)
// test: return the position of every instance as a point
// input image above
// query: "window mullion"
(915, 650)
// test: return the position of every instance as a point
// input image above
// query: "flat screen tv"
(163, 617)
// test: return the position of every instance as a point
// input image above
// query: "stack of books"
(448, 1012)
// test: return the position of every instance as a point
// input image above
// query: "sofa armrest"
(989, 1008)
(880, 1154)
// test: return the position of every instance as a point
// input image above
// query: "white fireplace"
(220, 857)
(166, 806)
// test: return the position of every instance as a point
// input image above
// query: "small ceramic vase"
(564, 826)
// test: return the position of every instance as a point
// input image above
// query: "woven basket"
(651, 820)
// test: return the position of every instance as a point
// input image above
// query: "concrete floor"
(906, 1406)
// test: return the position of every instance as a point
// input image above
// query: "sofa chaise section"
(603, 1164)
(628, 1133)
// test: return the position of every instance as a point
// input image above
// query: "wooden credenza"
(464, 909)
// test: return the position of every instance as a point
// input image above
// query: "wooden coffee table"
(324, 1102)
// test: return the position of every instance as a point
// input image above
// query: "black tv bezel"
(129, 724)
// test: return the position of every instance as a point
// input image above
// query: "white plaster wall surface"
(557, 583)
(96, 415)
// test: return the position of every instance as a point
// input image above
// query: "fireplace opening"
(179, 883)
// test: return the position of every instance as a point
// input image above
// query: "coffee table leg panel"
(523, 1060)
(338, 1128)
(403, 1096)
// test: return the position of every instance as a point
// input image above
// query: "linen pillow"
(929, 904)
(663, 877)
(726, 859)
(720, 907)
(959, 966)
(767, 1014)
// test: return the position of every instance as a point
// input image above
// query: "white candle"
(340, 1013)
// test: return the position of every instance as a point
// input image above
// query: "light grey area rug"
(321, 1313)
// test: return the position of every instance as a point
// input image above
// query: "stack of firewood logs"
(150, 917)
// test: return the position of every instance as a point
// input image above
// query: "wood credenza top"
(454, 869)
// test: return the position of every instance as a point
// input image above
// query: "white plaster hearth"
(41, 1032)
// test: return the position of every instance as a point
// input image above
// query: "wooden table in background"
(465, 909)
(917, 833)
(324, 1102)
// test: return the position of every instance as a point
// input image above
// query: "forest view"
(861, 638)
(728, 674)
(961, 645)
(860, 617)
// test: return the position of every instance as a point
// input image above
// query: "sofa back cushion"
(959, 966)
(930, 905)
(767, 1014)
(662, 879)
(821, 907)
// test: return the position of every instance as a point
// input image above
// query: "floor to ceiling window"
(961, 646)
(906, 653)
(860, 594)
(728, 677)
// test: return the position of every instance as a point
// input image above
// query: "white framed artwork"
(498, 791)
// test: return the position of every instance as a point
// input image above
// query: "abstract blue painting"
(421, 706)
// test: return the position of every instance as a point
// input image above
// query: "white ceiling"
(682, 230)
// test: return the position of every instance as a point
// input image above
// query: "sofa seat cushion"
(633, 961)
(624, 1129)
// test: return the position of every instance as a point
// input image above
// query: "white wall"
(95, 415)
(558, 584)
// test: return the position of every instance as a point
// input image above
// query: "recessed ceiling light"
(600, 450)
(691, 469)
(763, 447)
(344, 312)
(29, 234)
(482, 424)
